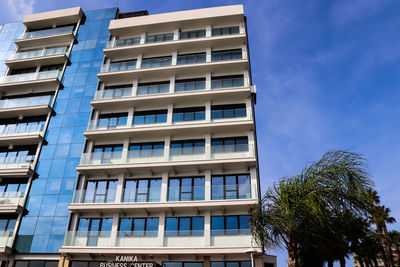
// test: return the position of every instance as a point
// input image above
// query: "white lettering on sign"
(126, 258)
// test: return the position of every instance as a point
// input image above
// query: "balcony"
(61, 35)
(166, 71)
(16, 166)
(158, 130)
(25, 106)
(6, 242)
(11, 202)
(21, 133)
(145, 242)
(158, 160)
(35, 80)
(45, 56)
(92, 202)
(119, 49)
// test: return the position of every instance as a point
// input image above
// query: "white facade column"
(208, 111)
(114, 231)
(253, 183)
(249, 110)
(208, 31)
(120, 188)
(176, 34)
(250, 137)
(161, 227)
(143, 38)
(167, 147)
(135, 84)
(171, 84)
(164, 187)
(208, 81)
(174, 58)
(129, 120)
(208, 146)
(207, 185)
(139, 62)
(124, 156)
(246, 78)
(208, 55)
(244, 52)
(242, 28)
(170, 114)
(207, 228)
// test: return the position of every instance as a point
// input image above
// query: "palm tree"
(394, 241)
(292, 209)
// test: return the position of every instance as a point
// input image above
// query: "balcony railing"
(119, 66)
(39, 53)
(21, 129)
(48, 32)
(161, 155)
(136, 40)
(171, 194)
(11, 198)
(6, 239)
(12, 162)
(186, 239)
(26, 102)
(34, 76)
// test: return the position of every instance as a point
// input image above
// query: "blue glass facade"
(8, 34)
(42, 229)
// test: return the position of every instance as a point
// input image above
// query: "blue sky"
(327, 76)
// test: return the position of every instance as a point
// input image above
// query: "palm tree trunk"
(388, 248)
(382, 241)
(397, 249)
(293, 262)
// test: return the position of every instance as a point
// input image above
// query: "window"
(149, 117)
(153, 88)
(113, 120)
(191, 58)
(146, 150)
(23, 71)
(122, 65)
(7, 225)
(231, 264)
(138, 227)
(190, 85)
(182, 264)
(156, 62)
(192, 34)
(107, 153)
(189, 114)
(226, 55)
(126, 42)
(187, 147)
(225, 31)
(230, 225)
(236, 186)
(26, 125)
(184, 226)
(117, 91)
(230, 144)
(51, 67)
(228, 111)
(186, 189)
(93, 228)
(159, 38)
(227, 81)
(12, 189)
(142, 190)
(100, 191)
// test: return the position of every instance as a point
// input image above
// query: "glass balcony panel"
(39, 53)
(11, 162)
(31, 76)
(48, 32)
(11, 198)
(98, 158)
(119, 66)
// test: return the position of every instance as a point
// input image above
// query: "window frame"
(182, 193)
(136, 193)
(178, 231)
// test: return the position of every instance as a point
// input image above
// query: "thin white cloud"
(19, 8)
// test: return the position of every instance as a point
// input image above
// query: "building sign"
(127, 261)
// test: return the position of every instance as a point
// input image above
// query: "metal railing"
(187, 239)
(26, 101)
(160, 155)
(11, 198)
(48, 32)
(39, 53)
(119, 66)
(19, 129)
(98, 196)
(12, 162)
(42, 75)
